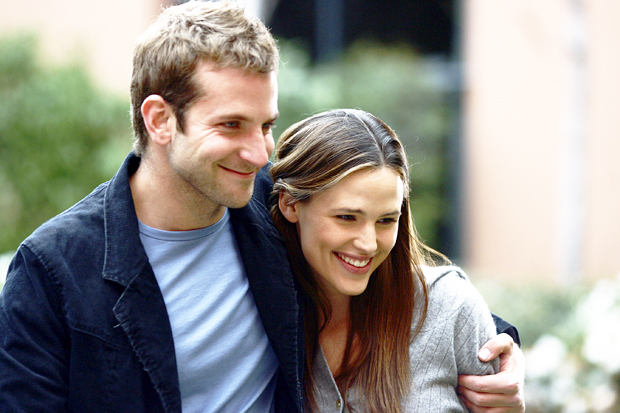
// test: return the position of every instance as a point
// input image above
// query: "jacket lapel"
(140, 310)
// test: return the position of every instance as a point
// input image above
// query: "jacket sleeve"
(502, 326)
(33, 339)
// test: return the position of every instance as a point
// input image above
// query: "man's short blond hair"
(167, 54)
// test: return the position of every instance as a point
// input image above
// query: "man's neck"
(163, 204)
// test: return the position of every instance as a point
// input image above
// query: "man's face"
(227, 136)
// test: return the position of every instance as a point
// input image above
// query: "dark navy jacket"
(83, 325)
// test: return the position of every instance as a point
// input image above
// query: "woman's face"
(348, 230)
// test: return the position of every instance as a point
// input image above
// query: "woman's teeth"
(353, 262)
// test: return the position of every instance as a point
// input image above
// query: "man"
(167, 288)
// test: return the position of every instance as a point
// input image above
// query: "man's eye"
(231, 124)
(268, 127)
(346, 217)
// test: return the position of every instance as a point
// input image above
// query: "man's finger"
(482, 409)
(501, 343)
(500, 383)
(490, 399)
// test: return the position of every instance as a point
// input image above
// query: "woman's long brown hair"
(312, 156)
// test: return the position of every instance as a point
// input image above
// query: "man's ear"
(288, 207)
(158, 119)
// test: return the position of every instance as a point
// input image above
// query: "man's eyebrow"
(231, 116)
(243, 118)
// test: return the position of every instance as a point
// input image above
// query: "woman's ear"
(158, 119)
(288, 207)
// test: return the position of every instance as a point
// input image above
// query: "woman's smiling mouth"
(354, 262)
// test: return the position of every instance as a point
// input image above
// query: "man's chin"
(240, 201)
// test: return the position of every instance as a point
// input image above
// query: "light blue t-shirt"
(224, 358)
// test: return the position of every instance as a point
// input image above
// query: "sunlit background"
(510, 110)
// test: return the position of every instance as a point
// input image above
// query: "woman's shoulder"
(449, 280)
(434, 274)
(452, 295)
(457, 324)
(457, 317)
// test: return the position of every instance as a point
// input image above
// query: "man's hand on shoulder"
(501, 392)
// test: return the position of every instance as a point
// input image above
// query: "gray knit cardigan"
(457, 324)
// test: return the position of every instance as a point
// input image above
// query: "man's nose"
(257, 148)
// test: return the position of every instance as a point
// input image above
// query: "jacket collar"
(124, 255)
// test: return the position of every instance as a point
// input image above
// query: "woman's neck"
(333, 337)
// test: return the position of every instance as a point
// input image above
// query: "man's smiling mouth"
(243, 173)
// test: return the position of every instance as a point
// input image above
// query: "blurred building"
(99, 33)
(540, 179)
(542, 138)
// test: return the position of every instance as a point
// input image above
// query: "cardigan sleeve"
(457, 324)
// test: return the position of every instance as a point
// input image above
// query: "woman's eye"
(387, 220)
(346, 217)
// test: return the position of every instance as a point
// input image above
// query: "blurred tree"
(407, 91)
(56, 134)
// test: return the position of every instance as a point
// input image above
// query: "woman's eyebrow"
(361, 212)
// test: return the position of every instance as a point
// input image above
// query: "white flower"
(545, 356)
(603, 397)
(599, 314)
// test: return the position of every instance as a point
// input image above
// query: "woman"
(386, 329)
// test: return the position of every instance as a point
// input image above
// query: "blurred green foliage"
(536, 309)
(397, 85)
(56, 133)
